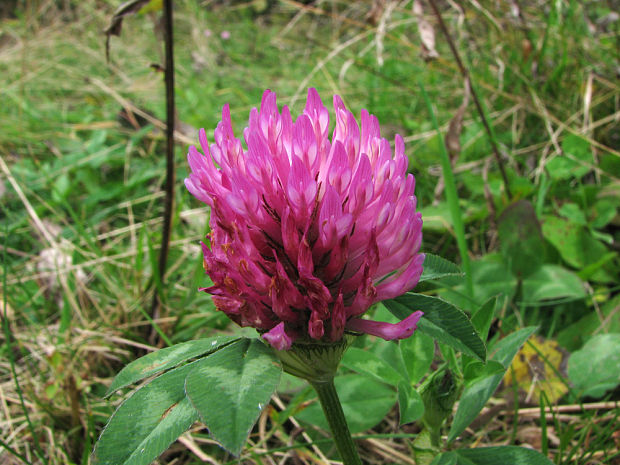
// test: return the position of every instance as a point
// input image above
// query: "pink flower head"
(307, 232)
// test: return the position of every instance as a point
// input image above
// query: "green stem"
(435, 437)
(337, 422)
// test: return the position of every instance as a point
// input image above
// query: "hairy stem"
(337, 422)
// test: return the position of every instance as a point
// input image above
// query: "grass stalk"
(465, 72)
(11, 357)
(543, 424)
(156, 327)
(451, 195)
(12, 451)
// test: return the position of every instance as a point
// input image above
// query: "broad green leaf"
(595, 271)
(447, 458)
(366, 362)
(521, 238)
(604, 211)
(595, 368)
(504, 350)
(573, 213)
(410, 403)
(441, 320)
(497, 455)
(575, 335)
(436, 267)
(573, 163)
(389, 351)
(148, 422)
(61, 188)
(474, 396)
(436, 217)
(164, 359)
(478, 391)
(290, 384)
(566, 237)
(418, 352)
(573, 242)
(477, 369)
(491, 277)
(365, 403)
(230, 389)
(483, 318)
(552, 282)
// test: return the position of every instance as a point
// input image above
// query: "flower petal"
(398, 284)
(387, 331)
(339, 318)
(278, 338)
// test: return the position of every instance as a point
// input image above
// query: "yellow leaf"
(536, 368)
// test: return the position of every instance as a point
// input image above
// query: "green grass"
(82, 181)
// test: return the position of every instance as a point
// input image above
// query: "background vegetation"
(82, 170)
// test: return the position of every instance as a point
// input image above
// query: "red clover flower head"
(307, 232)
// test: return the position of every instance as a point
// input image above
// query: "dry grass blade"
(389, 453)
(116, 22)
(481, 112)
(49, 237)
(453, 139)
(573, 408)
(381, 29)
(453, 136)
(307, 438)
(131, 108)
(188, 442)
(426, 32)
